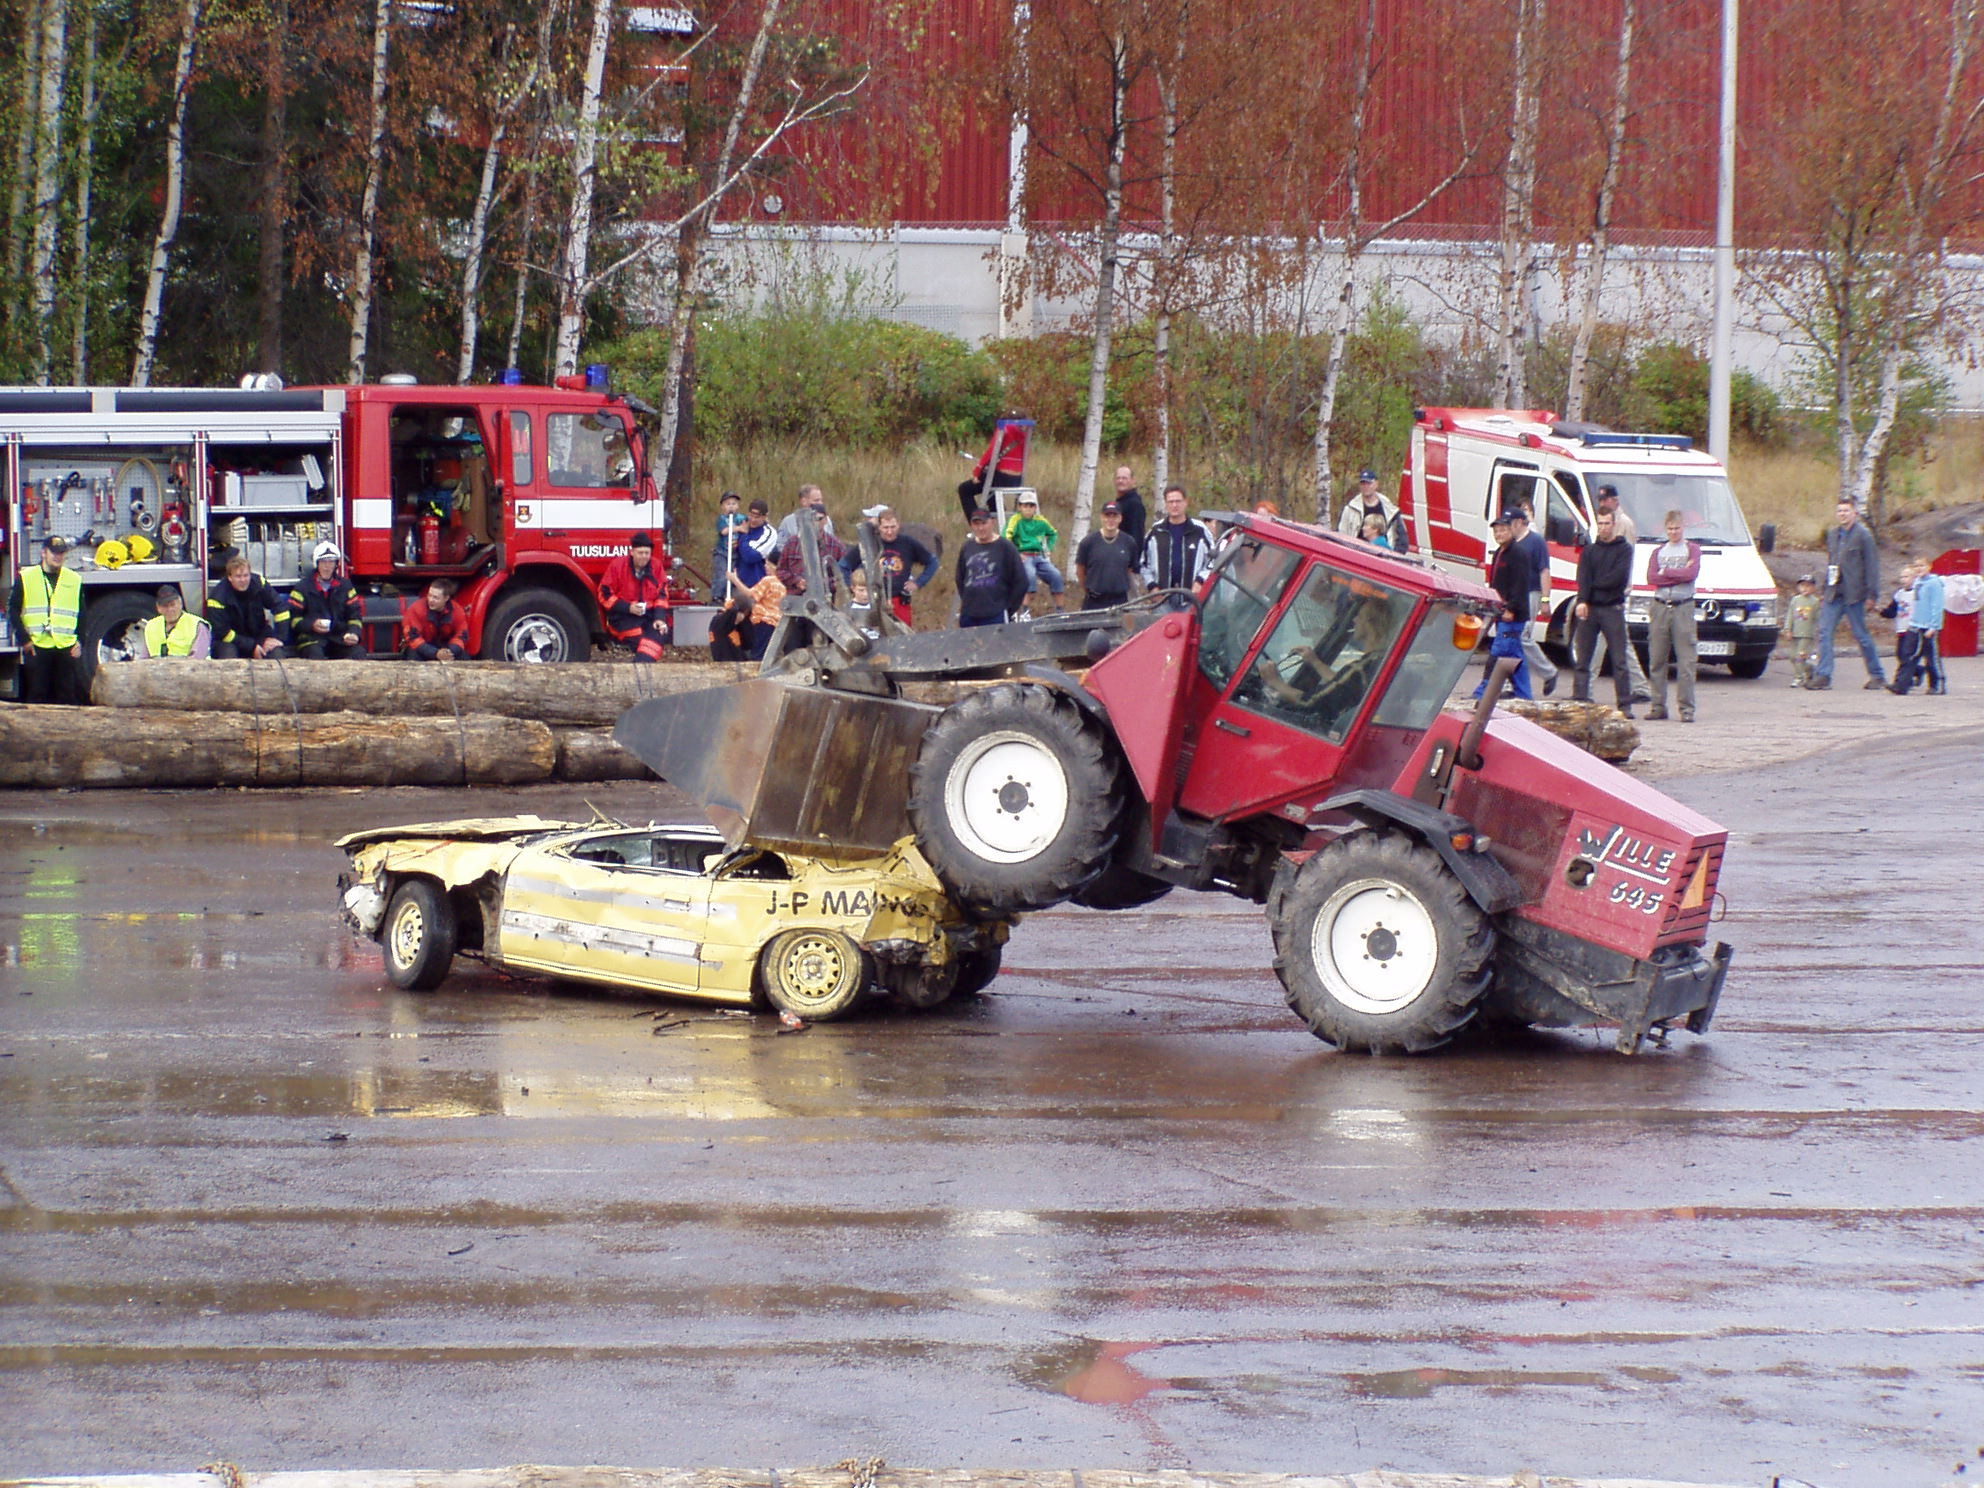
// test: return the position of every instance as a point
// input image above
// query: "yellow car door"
(608, 907)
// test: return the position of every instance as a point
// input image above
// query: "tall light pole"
(1721, 354)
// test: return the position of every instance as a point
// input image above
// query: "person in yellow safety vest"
(173, 632)
(47, 612)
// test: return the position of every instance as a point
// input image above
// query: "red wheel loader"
(1282, 734)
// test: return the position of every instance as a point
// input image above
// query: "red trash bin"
(1959, 624)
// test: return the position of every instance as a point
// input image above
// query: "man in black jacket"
(992, 581)
(1510, 576)
(1605, 573)
(249, 619)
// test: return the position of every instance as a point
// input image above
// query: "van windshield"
(1707, 506)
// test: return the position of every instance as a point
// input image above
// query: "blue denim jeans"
(1040, 569)
(1855, 615)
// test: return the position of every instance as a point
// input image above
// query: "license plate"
(1715, 648)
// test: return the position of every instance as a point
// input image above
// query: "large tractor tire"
(1379, 948)
(1015, 798)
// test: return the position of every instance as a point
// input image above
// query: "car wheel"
(1015, 797)
(977, 970)
(1379, 948)
(535, 625)
(1749, 670)
(418, 935)
(814, 974)
(925, 986)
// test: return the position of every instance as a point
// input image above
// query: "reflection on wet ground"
(1123, 1211)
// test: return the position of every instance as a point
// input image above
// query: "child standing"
(1804, 626)
(1906, 640)
(730, 524)
(1035, 537)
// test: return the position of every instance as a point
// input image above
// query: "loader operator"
(47, 610)
(1328, 693)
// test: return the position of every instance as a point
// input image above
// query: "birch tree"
(80, 272)
(26, 121)
(1359, 233)
(1598, 242)
(1170, 77)
(361, 288)
(576, 283)
(1875, 197)
(175, 188)
(48, 180)
(515, 97)
(1517, 244)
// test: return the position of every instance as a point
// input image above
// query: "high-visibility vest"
(52, 614)
(178, 643)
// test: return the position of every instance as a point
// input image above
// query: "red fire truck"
(520, 495)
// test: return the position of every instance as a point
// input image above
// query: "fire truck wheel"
(1015, 798)
(535, 625)
(418, 935)
(1379, 948)
(111, 626)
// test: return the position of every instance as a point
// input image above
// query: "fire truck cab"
(1466, 464)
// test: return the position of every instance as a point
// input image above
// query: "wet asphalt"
(1121, 1212)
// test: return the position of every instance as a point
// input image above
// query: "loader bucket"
(780, 765)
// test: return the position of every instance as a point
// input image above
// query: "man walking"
(1853, 575)
(1509, 576)
(1537, 551)
(1605, 573)
(47, 611)
(1130, 502)
(1673, 570)
(1179, 550)
(1104, 560)
(992, 581)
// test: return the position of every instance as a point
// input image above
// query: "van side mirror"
(1767, 538)
(1564, 532)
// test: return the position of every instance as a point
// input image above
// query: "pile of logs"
(291, 723)
(1597, 727)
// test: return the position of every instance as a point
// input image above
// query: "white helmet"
(326, 550)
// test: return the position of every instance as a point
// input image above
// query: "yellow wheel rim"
(814, 971)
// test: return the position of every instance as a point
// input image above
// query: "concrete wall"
(948, 279)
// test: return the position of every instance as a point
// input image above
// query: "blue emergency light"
(1596, 440)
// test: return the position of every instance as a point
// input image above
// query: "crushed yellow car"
(664, 909)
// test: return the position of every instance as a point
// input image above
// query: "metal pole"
(1721, 355)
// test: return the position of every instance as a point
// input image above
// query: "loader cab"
(1318, 667)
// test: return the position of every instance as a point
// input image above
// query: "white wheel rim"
(1375, 946)
(1006, 797)
(535, 638)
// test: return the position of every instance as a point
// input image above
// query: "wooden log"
(1598, 727)
(589, 695)
(43, 747)
(592, 754)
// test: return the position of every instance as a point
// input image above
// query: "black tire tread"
(437, 953)
(1095, 781)
(1437, 1017)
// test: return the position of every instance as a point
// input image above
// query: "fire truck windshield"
(1707, 506)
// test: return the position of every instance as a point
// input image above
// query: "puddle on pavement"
(1418, 1384)
(1093, 1371)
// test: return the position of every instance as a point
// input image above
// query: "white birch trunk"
(1873, 449)
(79, 274)
(520, 302)
(689, 254)
(24, 136)
(272, 185)
(1592, 279)
(575, 284)
(175, 192)
(368, 211)
(1518, 212)
(1105, 287)
(48, 182)
(1343, 312)
(1167, 255)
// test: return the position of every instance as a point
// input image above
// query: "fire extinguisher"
(430, 538)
